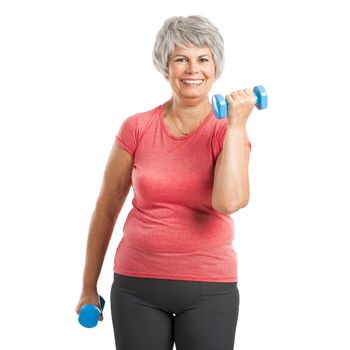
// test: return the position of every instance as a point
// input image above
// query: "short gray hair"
(179, 31)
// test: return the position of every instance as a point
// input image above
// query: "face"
(191, 72)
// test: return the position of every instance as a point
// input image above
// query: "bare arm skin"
(114, 190)
(231, 180)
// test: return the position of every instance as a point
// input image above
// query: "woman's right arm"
(114, 190)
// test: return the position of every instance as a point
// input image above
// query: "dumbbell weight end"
(89, 314)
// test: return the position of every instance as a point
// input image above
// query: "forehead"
(192, 51)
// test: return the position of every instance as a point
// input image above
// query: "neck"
(188, 112)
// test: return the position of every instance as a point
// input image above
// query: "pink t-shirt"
(172, 231)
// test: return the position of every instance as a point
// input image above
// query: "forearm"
(231, 179)
(100, 232)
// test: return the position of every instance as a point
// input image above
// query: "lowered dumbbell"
(220, 105)
(89, 314)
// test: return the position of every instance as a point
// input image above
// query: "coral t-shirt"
(172, 230)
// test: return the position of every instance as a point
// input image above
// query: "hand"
(89, 297)
(241, 104)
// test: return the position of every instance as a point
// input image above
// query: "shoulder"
(142, 119)
(134, 127)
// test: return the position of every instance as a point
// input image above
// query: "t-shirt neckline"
(161, 117)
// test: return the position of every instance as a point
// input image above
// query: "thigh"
(212, 324)
(137, 323)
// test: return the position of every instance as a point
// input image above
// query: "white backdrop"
(72, 71)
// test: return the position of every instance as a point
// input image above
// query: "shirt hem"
(124, 146)
(178, 277)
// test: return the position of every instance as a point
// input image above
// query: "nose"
(192, 68)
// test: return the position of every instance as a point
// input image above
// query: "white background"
(72, 71)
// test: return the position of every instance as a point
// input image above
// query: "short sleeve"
(127, 135)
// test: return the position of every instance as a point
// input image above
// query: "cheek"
(211, 71)
(175, 70)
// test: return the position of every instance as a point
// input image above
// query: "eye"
(182, 59)
(204, 59)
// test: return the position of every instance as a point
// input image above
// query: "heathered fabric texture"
(172, 231)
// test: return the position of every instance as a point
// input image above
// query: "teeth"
(192, 81)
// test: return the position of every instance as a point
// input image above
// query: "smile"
(195, 82)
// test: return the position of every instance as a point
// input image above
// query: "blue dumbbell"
(220, 105)
(89, 314)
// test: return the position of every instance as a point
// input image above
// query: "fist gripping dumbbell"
(89, 314)
(220, 105)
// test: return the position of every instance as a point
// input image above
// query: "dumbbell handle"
(220, 105)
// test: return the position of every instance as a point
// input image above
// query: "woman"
(175, 273)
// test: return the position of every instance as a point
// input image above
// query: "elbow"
(225, 211)
(231, 208)
(241, 205)
(235, 207)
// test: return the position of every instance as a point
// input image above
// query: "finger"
(250, 94)
(238, 96)
(229, 98)
(235, 94)
(248, 91)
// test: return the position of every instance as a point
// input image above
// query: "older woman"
(175, 272)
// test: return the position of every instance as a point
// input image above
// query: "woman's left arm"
(231, 178)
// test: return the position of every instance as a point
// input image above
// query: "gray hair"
(179, 31)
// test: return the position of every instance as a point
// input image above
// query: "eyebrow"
(187, 56)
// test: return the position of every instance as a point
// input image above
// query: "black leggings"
(153, 314)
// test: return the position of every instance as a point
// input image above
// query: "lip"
(192, 85)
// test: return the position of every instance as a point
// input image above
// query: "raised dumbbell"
(89, 314)
(220, 105)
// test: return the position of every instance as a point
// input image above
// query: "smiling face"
(191, 72)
